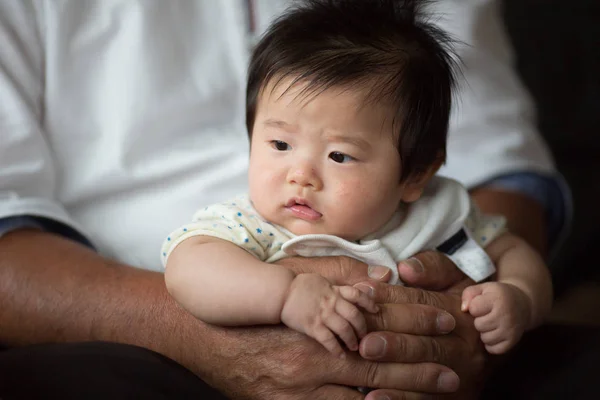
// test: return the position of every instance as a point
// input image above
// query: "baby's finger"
(481, 305)
(351, 314)
(343, 329)
(324, 336)
(492, 337)
(355, 296)
(469, 294)
(486, 323)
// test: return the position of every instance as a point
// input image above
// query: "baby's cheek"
(358, 209)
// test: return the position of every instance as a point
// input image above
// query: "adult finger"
(399, 347)
(335, 392)
(414, 319)
(414, 377)
(384, 293)
(337, 270)
(397, 395)
(429, 270)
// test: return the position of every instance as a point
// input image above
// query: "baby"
(348, 104)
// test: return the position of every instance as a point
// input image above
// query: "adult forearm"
(54, 290)
(524, 216)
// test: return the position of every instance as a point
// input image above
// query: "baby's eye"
(340, 157)
(280, 145)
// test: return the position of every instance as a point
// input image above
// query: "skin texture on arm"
(223, 284)
(55, 290)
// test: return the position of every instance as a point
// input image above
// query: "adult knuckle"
(424, 320)
(420, 377)
(431, 259)
(345, 266)
(381, 319)
(438, 352)
(373, 374)
(401, 347)
(420, 296)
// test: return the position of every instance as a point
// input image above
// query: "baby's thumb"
(469, 294)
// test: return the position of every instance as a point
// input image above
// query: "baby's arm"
(519, 299)
(222, 284)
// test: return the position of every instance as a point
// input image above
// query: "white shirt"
(120, 117)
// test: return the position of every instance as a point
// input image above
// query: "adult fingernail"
(382, 397)
(375, 346)
(448, 382)
(365, 289)
(415, 264)
(445, 322)
(378, 272)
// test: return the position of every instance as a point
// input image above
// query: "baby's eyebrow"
(355, 140)
(276, 123)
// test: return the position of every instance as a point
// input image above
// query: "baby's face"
(324, 164)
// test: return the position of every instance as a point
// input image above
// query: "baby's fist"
(502, 312)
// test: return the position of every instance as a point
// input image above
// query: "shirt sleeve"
(28, 179)
(234, 221)
(10, 224)
(484, 228)
(552, 193)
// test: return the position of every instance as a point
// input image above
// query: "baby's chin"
(300, 227)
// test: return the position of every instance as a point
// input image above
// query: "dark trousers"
(552, 362)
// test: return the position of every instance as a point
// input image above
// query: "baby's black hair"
(387, 48)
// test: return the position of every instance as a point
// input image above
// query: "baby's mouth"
(303, 210)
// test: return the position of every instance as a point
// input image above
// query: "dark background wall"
(557, 45)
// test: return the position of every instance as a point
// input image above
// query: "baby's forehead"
(304, 90)
(322, 114)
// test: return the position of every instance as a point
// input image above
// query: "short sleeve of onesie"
(235, 221)
(484, 228)
(465, 247)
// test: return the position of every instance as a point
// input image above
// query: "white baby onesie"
(443, 218)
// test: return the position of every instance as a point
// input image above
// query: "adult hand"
(461, 349)
(279, 363)
(285, 364)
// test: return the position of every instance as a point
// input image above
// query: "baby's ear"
(414, 185)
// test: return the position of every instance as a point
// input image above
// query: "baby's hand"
(321, 310)
(502, 312)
